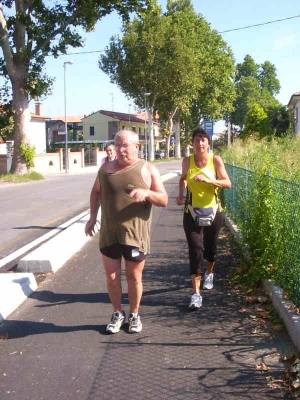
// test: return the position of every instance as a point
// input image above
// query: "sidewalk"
(57, 348)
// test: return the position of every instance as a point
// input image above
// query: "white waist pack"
(203, 216)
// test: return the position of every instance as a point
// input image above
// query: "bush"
(27, 153)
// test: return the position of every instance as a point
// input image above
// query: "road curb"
(14, 290)
(52, 255)
(285, 308)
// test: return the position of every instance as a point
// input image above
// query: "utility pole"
(229, 134)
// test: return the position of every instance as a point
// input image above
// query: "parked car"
(159, 154)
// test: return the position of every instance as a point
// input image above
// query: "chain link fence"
(267, 212)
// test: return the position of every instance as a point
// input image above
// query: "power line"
(261, 24)
(226, 31)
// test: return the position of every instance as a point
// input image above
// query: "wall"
(3, 149)
(3, 164)
(37, 136)
(54, 162)
(100, 124)
(48, 162)
(297, 121)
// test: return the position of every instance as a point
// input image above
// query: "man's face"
(126, 149)
(110, 151)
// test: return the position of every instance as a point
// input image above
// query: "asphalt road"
(30, 210)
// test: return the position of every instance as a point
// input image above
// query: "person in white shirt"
(111, 153)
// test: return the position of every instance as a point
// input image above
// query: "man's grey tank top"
(123, 220)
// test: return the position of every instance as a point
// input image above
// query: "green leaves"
(254, 83)
(177, 58)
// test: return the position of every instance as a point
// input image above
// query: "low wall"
(3, 149)
(54, 162)
(48, 162)
(3, 164)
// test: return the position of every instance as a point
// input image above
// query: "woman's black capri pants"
(202, 241)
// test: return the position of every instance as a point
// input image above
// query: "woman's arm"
(182, 180)
(222, 180)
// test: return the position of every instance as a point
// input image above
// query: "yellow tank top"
(200, 194)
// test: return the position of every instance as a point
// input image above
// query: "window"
(92, 131)
(140, 130)
(133, 129)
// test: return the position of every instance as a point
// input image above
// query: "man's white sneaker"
(196, 302)
(135, 324)
(117, 320)
(208, 281)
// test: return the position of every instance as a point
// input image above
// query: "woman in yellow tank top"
(202, 174)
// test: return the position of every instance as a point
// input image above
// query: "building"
(55, 128)
(103, 125)
(36, 130)
(294, 105)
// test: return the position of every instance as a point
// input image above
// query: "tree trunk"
(187, 147)
(21, 117)
(177, 139)
(151, 134)
(170, 128)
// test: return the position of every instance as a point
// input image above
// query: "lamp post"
(66, 124)
(129, 105)
(146, 113)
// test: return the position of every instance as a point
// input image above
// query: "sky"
(89, 89)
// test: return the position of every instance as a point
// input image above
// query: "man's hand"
(90, 227)
(139, 195)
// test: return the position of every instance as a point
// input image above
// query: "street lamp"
(66, 124)
(129, 105)
(146, 113)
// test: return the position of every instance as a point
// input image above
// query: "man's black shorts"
(130, 253)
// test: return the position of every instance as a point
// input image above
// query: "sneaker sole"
(135, 330)
(194, 308)
(114, 331)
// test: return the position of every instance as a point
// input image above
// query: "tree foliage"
(6, 123)
(254, 83)
(257, 121)
(177, 58)
(32, 30)
(280, 118)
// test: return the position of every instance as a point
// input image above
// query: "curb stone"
(285, 309)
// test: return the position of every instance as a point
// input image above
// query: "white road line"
(60, 228)
(41, 239)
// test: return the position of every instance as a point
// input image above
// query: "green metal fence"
(267, 212)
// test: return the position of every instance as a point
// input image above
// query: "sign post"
(209, 127)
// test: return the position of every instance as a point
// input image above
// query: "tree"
(247, 68)
(254, 83)
(32, 30)
(280, 120)
(173, 56)
(267, 78)
(257, 121)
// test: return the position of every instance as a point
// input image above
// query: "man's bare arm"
(95, 201)
(156, 194)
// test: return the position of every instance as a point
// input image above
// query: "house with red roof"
(103, 125)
